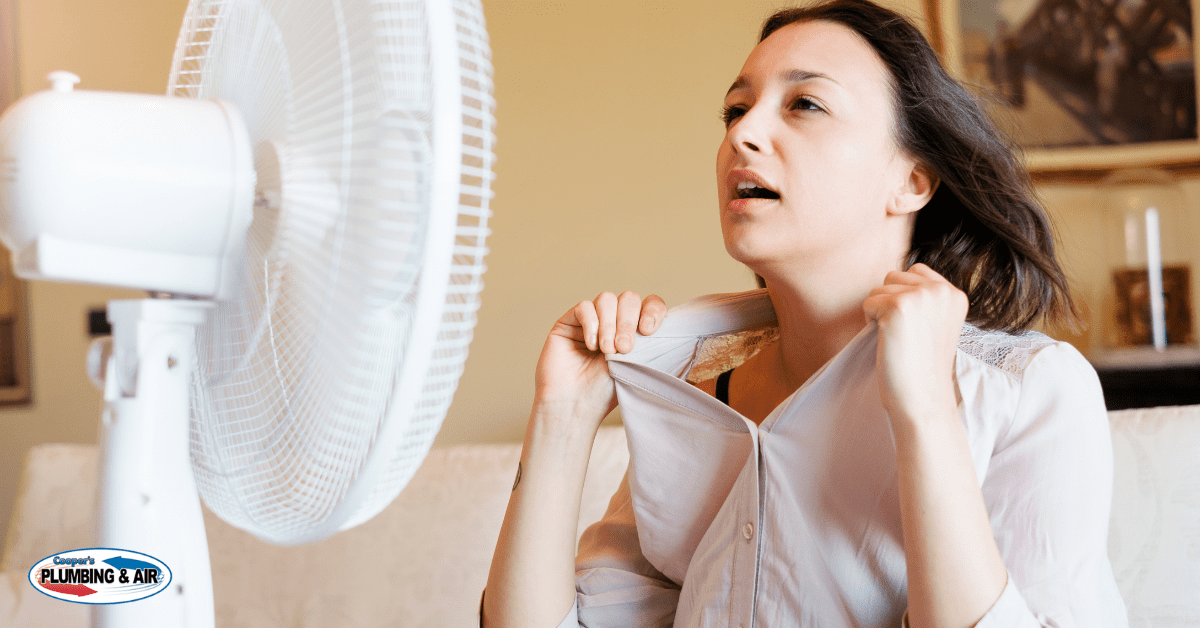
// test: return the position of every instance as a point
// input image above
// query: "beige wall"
(607, 135)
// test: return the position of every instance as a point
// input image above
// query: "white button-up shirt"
(796, 521)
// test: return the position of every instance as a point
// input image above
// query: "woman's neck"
(809, 336)
(818, 297)
(818, 313)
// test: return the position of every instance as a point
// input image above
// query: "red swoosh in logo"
(70, 589)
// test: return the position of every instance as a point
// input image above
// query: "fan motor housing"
(132, 190)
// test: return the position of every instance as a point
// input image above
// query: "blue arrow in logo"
(128, 563)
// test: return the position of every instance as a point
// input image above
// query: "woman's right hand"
(572, 379)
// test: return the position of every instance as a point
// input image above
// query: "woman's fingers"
(920, 291)
(891, 288)
(629, 308)
(916, 275)
(875, 305)
(654, 309)
(608, 322)
(583, 318)
(882, 299)
(606, 311)
(570, 332)
(926, 272)
(904, 278)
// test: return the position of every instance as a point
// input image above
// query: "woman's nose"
(750, 132)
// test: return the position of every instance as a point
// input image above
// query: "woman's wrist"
(923, 411)
(564, 424)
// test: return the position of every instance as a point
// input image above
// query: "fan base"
(148, 498)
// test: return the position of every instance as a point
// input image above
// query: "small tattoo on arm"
(518, 480)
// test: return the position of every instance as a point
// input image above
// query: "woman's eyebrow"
(788, 76)
(799, 76)
(737, 84)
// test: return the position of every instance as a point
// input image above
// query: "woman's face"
(810, 123)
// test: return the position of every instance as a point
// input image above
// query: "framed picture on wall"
(15, 386)
(1084, 86)
(9, 86)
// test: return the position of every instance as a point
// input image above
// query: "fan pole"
(148, 500)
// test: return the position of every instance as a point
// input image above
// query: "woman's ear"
(915, 192)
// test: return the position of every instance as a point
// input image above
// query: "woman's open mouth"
(750, 189)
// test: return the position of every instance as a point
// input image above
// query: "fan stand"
(148, 499)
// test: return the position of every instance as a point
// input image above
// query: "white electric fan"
(308, 207)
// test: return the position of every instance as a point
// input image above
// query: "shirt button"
(748, 531)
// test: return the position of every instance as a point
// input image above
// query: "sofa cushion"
(425, 558)
(423, 561)
(1154, 533)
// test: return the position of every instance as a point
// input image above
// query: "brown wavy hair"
(984, 230)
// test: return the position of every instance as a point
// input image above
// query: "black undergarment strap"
(723, 387)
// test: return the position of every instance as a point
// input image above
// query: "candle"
(1158, 317)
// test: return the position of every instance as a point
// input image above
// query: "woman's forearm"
(955, 572)
(532, 578)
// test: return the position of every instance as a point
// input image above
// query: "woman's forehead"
(815, 50)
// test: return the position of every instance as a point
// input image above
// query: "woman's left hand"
(920, 316)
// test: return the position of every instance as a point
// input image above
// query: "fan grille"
(295, 373)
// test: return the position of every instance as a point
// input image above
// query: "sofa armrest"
(56, 505)
(21, 606)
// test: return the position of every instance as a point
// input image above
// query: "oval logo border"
(158, 563)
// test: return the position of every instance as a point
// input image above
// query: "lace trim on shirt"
(717, 354)
(1008, 352)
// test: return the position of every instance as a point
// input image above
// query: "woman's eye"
(731, 113)
(805, 103)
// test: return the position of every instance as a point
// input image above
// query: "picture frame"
(15, 378)
(1086, 87)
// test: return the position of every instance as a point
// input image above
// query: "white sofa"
(424, 560)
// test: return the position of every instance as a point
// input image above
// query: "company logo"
(100, 575)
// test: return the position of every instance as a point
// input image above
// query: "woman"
(879, 462)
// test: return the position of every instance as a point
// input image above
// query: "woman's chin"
(750, 253)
